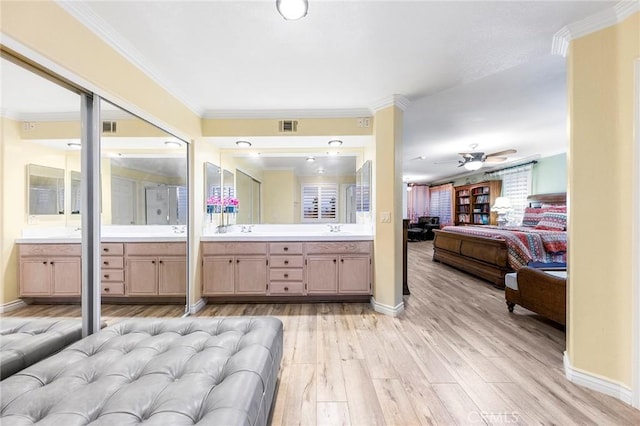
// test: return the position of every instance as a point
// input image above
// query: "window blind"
(440, 201)
(319, 202)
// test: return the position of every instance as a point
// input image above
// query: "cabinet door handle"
(160, 261)
(237, 260)
(286, 249)
(334, 261)
(286, 262)
(230, 261)
(44, 263)
(51, 263)
(153, 261)
(341, 260)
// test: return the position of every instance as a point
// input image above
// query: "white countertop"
(293, 232)
(110, 234)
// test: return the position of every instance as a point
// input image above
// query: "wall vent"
(108, 127)
(288, 126)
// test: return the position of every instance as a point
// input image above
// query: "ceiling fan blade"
(501, 153)
(445, 161)
(496, 159)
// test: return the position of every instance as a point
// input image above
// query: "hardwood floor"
(454, 356)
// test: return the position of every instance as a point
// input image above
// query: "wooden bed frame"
(485, 258)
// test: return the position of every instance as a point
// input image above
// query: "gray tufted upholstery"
(205, 371)
(25, 341)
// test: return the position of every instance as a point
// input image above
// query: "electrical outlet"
(28, 126)
(366, 122)
(385, 217)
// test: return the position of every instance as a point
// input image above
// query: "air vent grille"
(288, 126)
(108, 127)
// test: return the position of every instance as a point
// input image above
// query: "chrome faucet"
(334, 228)
(221, 229)
(246, 228)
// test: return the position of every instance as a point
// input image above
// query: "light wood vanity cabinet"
(342, 267)
(49, 270)
(286, 268)
(234, 268)
(156, 269)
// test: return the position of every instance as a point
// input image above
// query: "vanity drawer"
(116, 289)
(112, 249)
(112, 262)
(339, 247)
(295, 287)
(295, 261)
(50, 250)
(115, 275)
(285, 248)
(156, 249)
(285, 274)
(233, 248)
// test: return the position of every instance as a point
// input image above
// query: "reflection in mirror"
(74, 192)
(212, 186)
(46, 190)
(295, 188)
(363, 188)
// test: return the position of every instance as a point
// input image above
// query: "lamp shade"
(502, 205)
(292, 9)
(473, 165)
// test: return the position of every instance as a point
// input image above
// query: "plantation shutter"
(440, 200)
(319, 203)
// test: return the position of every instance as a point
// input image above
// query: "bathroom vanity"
(287, 262)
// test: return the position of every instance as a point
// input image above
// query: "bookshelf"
(472, 203)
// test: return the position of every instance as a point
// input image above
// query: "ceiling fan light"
(292, 10)
(473, 165)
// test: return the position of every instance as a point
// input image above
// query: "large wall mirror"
(46, 190)
(283, 188)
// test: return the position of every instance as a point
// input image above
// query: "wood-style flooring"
(454, 356)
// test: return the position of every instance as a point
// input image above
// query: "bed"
(490, 253)
(183, 371)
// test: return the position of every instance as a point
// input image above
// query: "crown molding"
(606, 18)
(288, 113)
(11, 115)
(83, 14)
(394, 100)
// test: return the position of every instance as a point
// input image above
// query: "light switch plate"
(385, 217)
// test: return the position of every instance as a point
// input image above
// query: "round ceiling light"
(292, 10)
(172, 144)
(243, 144)
(311, 159)
(74, 145)
(335, 142)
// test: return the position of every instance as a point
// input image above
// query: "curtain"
(441, 203)
(417, 202)
(516, 185)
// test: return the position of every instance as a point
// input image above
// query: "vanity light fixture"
(311, 159)
(74, 145)
(292, 10)
(172, 144)
(335, 142)
(243, 144)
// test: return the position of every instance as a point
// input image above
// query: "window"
(440, 200)
(516, 185)
(320, 202)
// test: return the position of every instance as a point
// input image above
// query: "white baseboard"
(12, 306)
(596, 383)
(387, 309)
(195, 307)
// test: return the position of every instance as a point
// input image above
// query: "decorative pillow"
(555, 208)
(531, 216)
(553, 221)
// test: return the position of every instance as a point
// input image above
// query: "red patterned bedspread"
(524, 244)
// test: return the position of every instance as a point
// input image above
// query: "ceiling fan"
(474, 160)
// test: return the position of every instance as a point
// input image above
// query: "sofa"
(205, 371)
(25, 341)
(540, 291)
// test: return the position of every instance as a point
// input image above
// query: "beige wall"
(278, 189)
(388, 199)
(270, 127)
(16, 155)
(601, 107)
(77, 49)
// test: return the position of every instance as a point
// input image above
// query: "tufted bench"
(25, 341)
(183, 371)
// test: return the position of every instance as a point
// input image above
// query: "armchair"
(423, 230)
